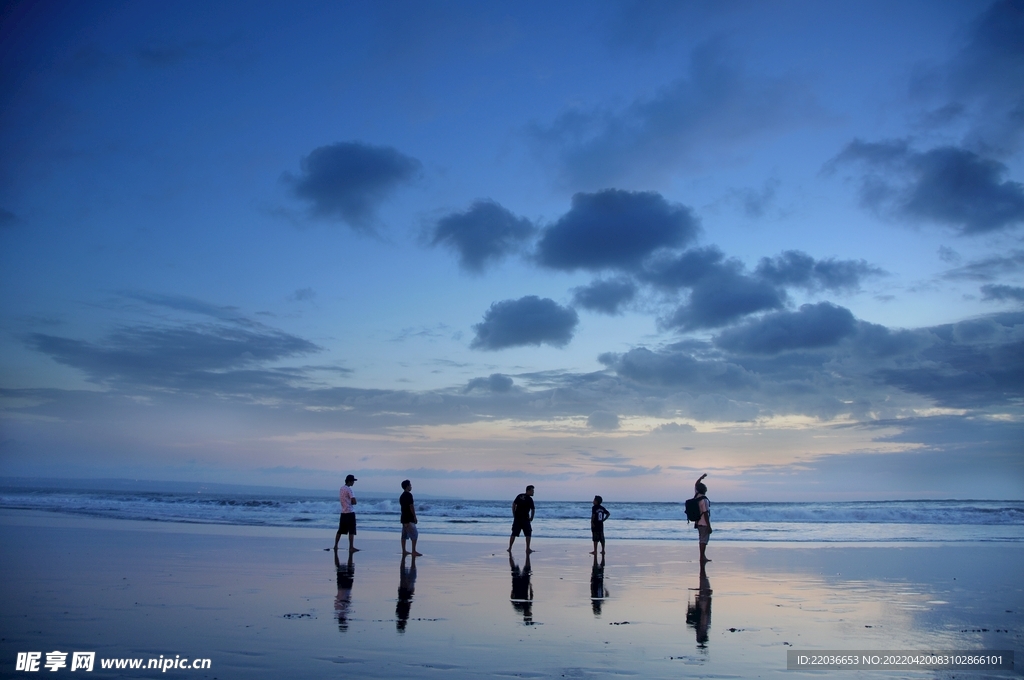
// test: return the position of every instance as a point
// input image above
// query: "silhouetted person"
(698, 614)
(406, 589)
(409, 521)
(704, 522)
(597, 592)
(347, 520)
(597, 517)
(346, 574)
(522, 518)
(522, 591)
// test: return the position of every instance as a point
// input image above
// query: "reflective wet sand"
(271, 602)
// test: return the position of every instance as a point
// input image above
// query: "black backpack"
(692, 508)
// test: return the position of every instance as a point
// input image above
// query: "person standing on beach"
(704, 521)
(347, 521)
(522, 518)
(409, 530)
(597, 517)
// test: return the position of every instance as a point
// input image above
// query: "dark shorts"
(597, 533)
(347, 523)
(521, 526)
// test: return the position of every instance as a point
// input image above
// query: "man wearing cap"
(347, 521)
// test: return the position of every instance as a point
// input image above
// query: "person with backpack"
(698, 511)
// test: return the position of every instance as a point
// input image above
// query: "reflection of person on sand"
(598, 594)
(522, 518)
(597, 517)
(346, 573)
(698, 614)
(522, 590)
(704, 523)
(406, 589)
(347, 521)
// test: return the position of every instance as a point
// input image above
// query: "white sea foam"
(932, 521)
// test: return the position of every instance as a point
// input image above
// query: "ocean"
(930, 521)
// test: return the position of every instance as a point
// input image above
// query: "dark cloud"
(685, 269)
(994, 292)
(796, 269)
(722, 297)
(7, 218)
(605, 296)
(483, 234)
(302, 295)
(603, 420)
(812, 327)
(972, 364)
(755, 202)
(677, 369)
(615, 229)
(348, 180)
(989, 268)
(496, 382)
(948, 185)
(986, 79)
(197, 356)
(529, 320)
(183, 303)
(716, 107)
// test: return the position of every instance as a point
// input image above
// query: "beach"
(271, 602)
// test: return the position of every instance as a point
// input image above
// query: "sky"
(598, 247)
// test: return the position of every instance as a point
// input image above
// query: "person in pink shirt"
(347, 521)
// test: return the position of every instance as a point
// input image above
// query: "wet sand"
(264, 602)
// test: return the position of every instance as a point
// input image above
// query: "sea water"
(832, 522)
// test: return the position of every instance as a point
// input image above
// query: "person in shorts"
(598, 515)
(347, 521)
(522, 518)
(409, 530)
(704, 522)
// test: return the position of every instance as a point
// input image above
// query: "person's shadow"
(346, 573)
(406, 589)
(522, 590)
(698, 613)
(598, 593)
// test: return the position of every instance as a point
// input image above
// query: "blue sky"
(597, 247)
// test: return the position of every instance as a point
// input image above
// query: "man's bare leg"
(528, 551)
(351, 543)
(337, 537)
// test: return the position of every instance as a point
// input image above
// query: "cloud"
(605, 296)
(529, 320)
(755, 202)
(972, 364)
(483, 234)
(714, 108)
(723, 296)
(615, 229)
(7, 218)
(948, 185)
(496, 382)
(984, 80)
(604, 421)
(812, 327)
(196, 356)
(685, 269)
(184, 303)
(677, 369)
(302, 295)
(989, 268)
(797, 269)
(347, 181)
(993, 292)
